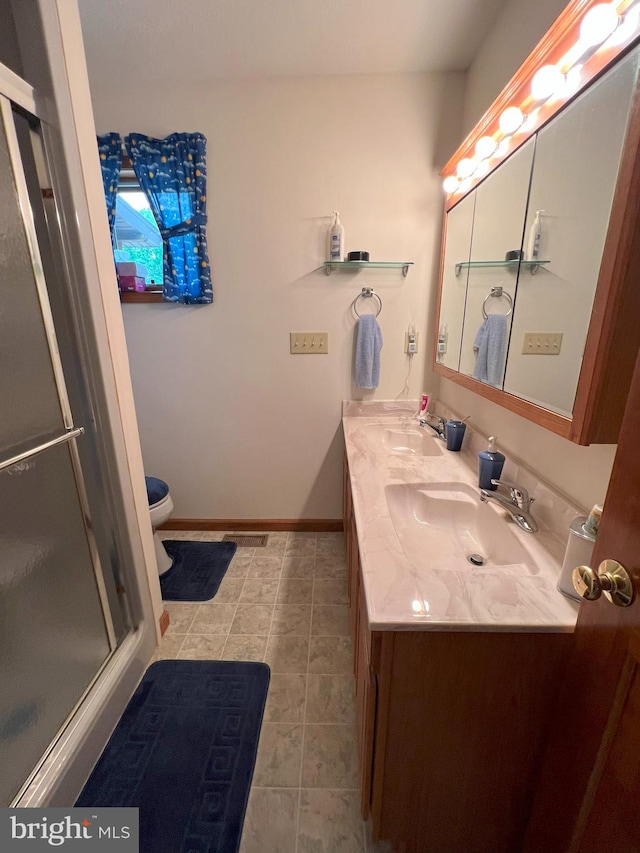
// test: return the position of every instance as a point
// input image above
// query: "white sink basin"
(408, 440)
(441, 525)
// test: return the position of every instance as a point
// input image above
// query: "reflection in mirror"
(497, 229)
(454, 286)
(574, 177)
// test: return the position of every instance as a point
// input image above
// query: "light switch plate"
(308, 343)
(541, 343)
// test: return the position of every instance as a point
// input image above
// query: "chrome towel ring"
(496, 293)
(367, 293)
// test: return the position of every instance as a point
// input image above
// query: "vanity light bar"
(587, 37)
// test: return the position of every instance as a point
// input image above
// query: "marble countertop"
(406, 593)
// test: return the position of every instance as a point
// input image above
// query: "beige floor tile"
(330, 757)
(331, 699)
(265, 567)
(279, 756)
(331, 566)
(291, 619)
(287, 653)
(181, 615)
(169, 647)
(238, 569)
(276, 545)
(299, 567)
(252, 619)
(295, 591)
(295, 535)
(270, 821)
(331, 542)
(229, 590)
(329, 591)
(330, 822)
(259, 591)
(211, 535)
(331, 536)
(244, 647)
(286, 699)
(330, 621)
(331, 655)
(301, 548)
(179, 535)
(202, 647)
(243, 556)
(213, 618)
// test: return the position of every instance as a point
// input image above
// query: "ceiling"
(150, 40)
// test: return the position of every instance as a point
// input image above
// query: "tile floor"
(286, 604)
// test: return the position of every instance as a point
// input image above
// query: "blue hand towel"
(368, 346)
(490, 347)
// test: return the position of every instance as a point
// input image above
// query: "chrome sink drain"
(476, 559)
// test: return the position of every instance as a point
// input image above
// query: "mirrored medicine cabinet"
(563, 351)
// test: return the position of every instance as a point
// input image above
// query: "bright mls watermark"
(26, 830)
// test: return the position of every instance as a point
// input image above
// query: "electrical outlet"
(541, 343)
(308, 343)
(411, 347)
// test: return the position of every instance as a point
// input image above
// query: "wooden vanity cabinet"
(451, 727)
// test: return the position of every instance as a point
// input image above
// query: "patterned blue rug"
(184, 753)
(198, 569)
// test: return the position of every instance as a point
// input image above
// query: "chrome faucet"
(517, 503)
(439, 426)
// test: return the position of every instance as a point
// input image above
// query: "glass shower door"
(56, 631)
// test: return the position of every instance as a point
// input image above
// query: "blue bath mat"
(198, 569)
(183, 753)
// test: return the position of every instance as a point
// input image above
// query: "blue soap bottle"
(490, 464)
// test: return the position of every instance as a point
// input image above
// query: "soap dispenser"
(336, 239)
(490, 464)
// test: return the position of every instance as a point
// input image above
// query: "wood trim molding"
(559, 424)
(309, 525)
(164, 622)
(553, 46)
(136, 297)
(613, 339)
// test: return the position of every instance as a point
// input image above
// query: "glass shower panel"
(53, 634)
(31, 410)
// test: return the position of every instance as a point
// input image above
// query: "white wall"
(518, 28)
(238, 426)
(581, 473)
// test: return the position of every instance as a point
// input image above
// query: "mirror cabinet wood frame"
(613, 337)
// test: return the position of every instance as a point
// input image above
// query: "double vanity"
(460, 635)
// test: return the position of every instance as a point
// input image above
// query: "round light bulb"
(510, 120)
(503, 149)
(450, 184)
(465, 185)
(466, 167)
(485, 147)
(598, 24)
(546, 81)
(482, 170)
(627, 28)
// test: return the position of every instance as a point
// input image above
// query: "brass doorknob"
(611, 578)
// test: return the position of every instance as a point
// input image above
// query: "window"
(135, 233)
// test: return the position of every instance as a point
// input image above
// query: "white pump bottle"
(336, 240)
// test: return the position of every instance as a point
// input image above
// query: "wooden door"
(588, 796)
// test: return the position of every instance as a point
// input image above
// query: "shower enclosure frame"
(59, 776)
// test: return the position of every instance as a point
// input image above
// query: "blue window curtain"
(110, 150)
(173, 174)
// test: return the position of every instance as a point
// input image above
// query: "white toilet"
(160, 509)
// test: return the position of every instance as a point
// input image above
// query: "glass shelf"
(532, 266)
(329, 266)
